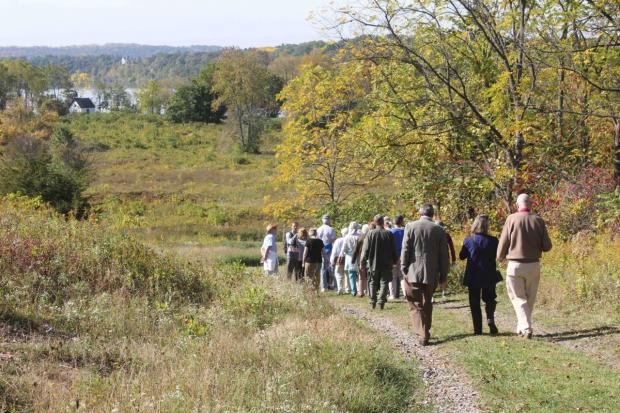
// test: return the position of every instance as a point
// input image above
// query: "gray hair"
(524, 200)
(480, 225)
(427, 210)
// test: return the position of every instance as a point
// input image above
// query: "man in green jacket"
(379, 257)
(425, 263)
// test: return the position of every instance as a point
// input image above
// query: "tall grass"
(91, 320)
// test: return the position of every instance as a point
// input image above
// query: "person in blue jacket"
(481, 273)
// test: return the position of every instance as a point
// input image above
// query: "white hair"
(344, 231)
(524, 200)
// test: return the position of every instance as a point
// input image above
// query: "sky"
(244, 23)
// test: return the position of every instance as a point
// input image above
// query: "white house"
(82, 105)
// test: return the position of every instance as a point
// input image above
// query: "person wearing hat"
(269, 251)
(327, 234)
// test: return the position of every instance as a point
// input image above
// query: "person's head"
(365, 228)
(440, 223)
(524, 201)
(344, 231)
(272, 228)
(294, 226)
(326, 219)
(399, 220)
(302, 234)
(387, 221)
(378, 220)
(372, 225)
(426, 210)
(312, 232)
(480, 225)
(352, 227)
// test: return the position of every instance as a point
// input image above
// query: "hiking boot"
(373, 305)
(423, 342)
(381, 306)
(493, 328)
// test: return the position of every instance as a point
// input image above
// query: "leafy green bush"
(58, 171)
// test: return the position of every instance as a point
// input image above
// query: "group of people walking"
(384, 257)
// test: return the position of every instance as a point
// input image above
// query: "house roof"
(84, 103)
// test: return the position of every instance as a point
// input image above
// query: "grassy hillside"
(177, 185)
(91, 320)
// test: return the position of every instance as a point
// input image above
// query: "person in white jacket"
(337, 261)
(348, 249)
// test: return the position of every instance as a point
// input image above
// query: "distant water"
(92, 94)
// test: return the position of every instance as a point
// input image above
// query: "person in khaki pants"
(523, 240)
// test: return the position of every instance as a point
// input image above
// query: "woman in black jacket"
(481, 273)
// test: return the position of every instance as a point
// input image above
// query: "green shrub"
(58, 171)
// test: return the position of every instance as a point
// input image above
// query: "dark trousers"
(378, 285)
(420, 299)
(293, 268)
(488, 296)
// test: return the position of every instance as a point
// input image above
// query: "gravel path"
(447, 389)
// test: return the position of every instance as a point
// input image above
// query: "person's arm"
(464, 254)
(504, 243)
(305, 254)
(546, 241)
(406, 252)
(364, 255)
(444, 259)
(334, 254)
(451, 246)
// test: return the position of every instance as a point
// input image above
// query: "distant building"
(82, 105)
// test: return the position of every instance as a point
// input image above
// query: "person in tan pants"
(524, 238)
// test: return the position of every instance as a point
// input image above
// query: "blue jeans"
(326, 270)
(353, 282)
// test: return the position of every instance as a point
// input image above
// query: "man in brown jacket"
(523, 240)
(425, 263)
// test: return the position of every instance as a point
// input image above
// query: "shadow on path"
(580, 334)
(466, 335)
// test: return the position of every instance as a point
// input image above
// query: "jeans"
(353, 281)
(326, 271)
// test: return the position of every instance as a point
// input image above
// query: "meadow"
(154, 303)
(93, 320)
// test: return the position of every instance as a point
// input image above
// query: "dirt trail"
(447, 389)
(601, 343)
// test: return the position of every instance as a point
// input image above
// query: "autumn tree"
(248, 90)
(152, 97)
(321, 163)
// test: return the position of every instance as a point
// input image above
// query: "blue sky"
(242, 23)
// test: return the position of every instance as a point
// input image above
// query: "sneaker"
(493, 328)
(322, 290)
